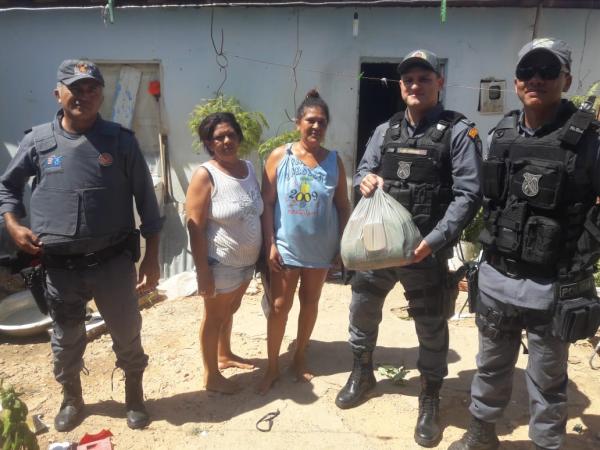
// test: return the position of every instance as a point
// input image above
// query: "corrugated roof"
(595, 4)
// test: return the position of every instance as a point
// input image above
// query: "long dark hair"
(312, 100)
(207, 127)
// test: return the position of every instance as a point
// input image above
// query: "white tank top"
(233, 230)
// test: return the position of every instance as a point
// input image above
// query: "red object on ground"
(87, 438)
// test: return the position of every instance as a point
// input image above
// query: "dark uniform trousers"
(369, 290)
(545, 375)
(112, 286)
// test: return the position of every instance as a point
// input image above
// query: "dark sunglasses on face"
(550, 72)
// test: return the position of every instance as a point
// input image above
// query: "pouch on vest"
(493, 175)
(510, 228)
(577, 318)
(540, 183)
(401, 192)
(423, 197)
(417, 169)
(541, 240)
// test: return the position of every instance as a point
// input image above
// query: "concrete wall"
(477, 42)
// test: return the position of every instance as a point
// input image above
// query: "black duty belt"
(83, 260)
(518, 269)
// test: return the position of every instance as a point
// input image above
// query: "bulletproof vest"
(417, 171)
(81, 189)
(537, 192)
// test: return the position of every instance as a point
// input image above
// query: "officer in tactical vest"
(87, 173)
(541, 241)
(428, 159)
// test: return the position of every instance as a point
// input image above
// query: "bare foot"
(267, 382)
(232, 360)
(218, 383)
(301, 373)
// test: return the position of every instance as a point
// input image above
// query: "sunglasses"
(550, 72)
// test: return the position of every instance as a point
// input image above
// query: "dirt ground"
(187, 417)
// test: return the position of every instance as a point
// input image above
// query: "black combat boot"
(428, 431)
(137, 416)
(360, 382)
(479, 436)
(71, 408)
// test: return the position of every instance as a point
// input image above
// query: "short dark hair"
(207, 127)
(312, 100)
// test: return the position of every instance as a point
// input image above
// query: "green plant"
(14, 432)
(251, 122)
(396, 374)
(271, 144)
(593, 90)
(471, 231)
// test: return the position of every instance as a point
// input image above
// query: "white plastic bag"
(380, 233)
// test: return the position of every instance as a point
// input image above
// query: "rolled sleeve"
(19, 170)
(143, 191)
(466, 188)
(372, 156)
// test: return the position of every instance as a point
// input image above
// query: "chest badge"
(105, 159)
(531, 185)
(403, 170)
(53, 161)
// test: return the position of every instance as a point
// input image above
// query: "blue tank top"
(306, 219)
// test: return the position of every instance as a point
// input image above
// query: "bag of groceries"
(380, 233)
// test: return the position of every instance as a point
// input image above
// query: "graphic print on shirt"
(303, 198)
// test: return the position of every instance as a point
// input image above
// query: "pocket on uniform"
(54, 211)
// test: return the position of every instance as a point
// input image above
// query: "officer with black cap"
(87, 173)
(428, 159)
(541, 241)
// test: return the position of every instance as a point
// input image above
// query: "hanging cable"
(220, 57)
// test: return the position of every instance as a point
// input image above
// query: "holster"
(35, 280)
(133, 245)
(472, 275)
(576, 319)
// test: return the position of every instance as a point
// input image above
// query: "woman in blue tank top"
(306, 208)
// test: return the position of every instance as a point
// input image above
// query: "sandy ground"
(187, 417)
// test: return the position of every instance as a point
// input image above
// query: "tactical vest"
(537, 192)
(417, 171)
(81, 191)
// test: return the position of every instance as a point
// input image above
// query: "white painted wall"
(478, 42)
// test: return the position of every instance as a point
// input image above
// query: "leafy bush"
(251, 122)
(271, 144)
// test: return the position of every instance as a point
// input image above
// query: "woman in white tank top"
(223, 209)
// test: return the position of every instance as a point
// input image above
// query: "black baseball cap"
(72, 70)
(423, 58)
(557, 48)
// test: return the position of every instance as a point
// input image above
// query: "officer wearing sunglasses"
(540, 245)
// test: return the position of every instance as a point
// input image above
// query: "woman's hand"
(275, 259)
(206, 284)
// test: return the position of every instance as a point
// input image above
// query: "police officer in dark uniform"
(428, 159)
(541, 241)
(87, 173)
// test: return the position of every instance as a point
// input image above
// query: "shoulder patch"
(473, 133)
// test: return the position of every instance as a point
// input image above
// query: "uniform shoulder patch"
(473, 133)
